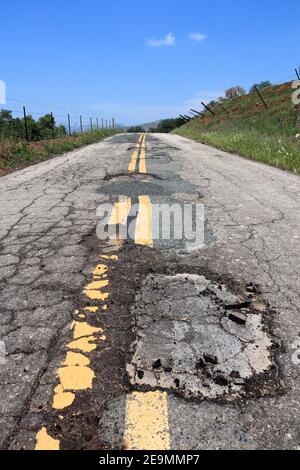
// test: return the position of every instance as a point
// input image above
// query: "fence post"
(81, 127)
(106, 124)
(97, 124)
(91, 123)
(52, 125)
(208, 109)
(113, 124)
(261, 97)
(197, 112)
(25, 124)
(223, 107)
(102, 122)
(69, 123)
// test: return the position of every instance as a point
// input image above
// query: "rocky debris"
(238, 317)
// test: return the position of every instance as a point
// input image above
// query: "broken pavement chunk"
(210, 359)
(239, 382)
(238, 317)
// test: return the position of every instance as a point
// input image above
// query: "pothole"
(150, 184)
(199, 339)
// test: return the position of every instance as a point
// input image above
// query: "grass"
(267, 136)
(19, 154)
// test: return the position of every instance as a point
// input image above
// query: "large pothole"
(150, 184)
(195, 337)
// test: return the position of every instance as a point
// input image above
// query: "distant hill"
(150, 125)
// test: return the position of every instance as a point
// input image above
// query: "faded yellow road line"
(147, 422)
(140, 146)
(120, 212)
(46, 442)
(143, 167)
(76, 374)
(143, 229)
(133, 161)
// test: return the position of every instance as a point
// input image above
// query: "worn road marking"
(146, 422)
(140, 146)
(76, 374)
(46, 442)
(132, 164)
(120, 212)
(143, 167)
(143, 229)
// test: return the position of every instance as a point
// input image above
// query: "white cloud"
(199, 37)
(168, 40)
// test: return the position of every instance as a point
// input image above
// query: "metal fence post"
(69, 123)
(261, 97)
(208, 109)
(52, 125)
(25, 124)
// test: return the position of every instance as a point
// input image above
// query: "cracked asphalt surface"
(219, 394)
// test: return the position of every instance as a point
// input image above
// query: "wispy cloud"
(168, 40)
(199, 37)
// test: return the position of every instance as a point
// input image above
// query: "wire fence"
(21, 118)
(206, 109)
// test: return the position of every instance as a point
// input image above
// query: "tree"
(168, 125)
(260, 86)
(234, 92)
(136, 129)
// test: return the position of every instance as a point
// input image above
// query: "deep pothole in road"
(196, 338)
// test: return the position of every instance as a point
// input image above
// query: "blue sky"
(142, 61)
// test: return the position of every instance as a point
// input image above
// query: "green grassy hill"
(249, 129)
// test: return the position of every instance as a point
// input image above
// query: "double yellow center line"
(146, 414)
(140, 150)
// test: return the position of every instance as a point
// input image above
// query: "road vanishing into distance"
(138, 341)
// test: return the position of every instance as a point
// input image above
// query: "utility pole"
(25, 124)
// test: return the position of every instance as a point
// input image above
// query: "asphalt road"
(143, 341)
